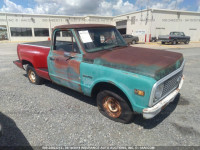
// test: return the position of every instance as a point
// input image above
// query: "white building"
(155, 22)
(29, 27)
(145, 24)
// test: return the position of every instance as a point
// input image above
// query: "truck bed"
(34, 53)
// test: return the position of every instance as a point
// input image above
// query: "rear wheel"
(114, 106)
(32, 75)
(1, 130)
(163, 42)
(174, 42)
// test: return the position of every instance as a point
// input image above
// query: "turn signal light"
(139, 92)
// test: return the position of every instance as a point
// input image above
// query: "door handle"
(69, 58)
(51, 58)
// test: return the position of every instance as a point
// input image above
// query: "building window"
(41, 31)
(3, 33)
(160, 28)
(133, 20)
(21, 31)
(192, 29)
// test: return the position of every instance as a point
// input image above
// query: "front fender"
(127, 82)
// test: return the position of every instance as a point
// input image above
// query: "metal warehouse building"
(145, 24)
(154, 22)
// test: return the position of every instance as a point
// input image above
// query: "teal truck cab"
(94, 60)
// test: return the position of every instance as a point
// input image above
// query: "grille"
(171, 84)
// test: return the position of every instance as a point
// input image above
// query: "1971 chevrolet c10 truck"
(95, 61)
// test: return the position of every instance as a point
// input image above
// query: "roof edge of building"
(51, 15)
(152, 9)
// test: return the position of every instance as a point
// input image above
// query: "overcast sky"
(93, 7)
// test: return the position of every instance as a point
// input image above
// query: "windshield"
(97, 39)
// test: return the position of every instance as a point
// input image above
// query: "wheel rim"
(112, 107)
(32, 76)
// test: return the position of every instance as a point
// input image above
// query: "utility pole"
(175, 4)
(147, 4)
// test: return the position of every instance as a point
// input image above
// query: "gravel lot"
(53, 115)
(158, 45)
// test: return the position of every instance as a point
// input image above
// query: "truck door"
(64, 60)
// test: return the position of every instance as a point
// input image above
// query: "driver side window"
(65, 41)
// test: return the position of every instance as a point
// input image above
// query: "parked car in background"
(174, 38)
(130, 39)
(153, 39)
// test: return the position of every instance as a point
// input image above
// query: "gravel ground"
(158, 45)
(53, 115)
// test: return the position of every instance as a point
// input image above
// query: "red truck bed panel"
(36, 53)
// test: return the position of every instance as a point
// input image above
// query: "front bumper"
(151, 112)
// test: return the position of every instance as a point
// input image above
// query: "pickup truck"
(174, 38)
(96, 61)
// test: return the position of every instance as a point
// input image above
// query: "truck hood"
(149, 62)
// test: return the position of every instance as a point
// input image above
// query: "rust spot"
(59, 52)
(112, 107)
(137, 56)
(150, 62)
(75, 65)
(66, 67)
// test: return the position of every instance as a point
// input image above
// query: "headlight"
(159, 91)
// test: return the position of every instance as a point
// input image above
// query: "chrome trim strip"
(161, 81)
(35, 45)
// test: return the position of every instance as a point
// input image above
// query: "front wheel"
(32, 75)
(186, 42)
(133, 42)
(114, 106)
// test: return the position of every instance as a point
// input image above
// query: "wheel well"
(108, 86)
(25, 62)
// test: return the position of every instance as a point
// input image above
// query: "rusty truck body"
(95, 60)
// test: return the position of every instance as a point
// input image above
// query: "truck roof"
(77, 26)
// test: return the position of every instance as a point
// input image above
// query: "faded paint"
(149, 62)
(65, 70)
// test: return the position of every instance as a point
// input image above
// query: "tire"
(187, 42)
(163, 42)
(133, 42)
(32, 76)
(120, 111)
(1, 131)
(174, 42)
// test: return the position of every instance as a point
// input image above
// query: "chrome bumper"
(151, 112)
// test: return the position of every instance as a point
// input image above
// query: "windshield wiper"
(110, 48)
(119, 46)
